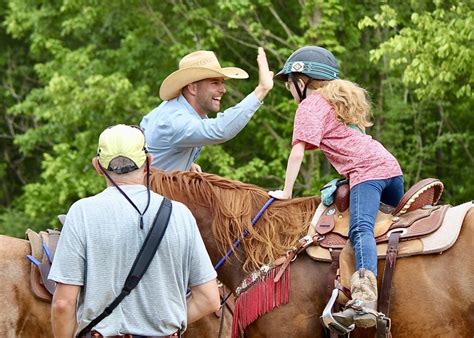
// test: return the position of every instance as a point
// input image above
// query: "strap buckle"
(384, 326)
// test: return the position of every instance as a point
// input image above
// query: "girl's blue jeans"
(365, 199)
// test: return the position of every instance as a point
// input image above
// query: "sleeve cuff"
(253, 100)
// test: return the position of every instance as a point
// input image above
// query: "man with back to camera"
(177, 129)
(100, 240)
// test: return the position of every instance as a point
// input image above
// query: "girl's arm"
(293, 168)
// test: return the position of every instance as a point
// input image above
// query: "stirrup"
(328, 320)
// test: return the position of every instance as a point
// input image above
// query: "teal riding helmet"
(315, 62)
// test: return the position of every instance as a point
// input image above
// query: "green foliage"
(434, 58)
(434, 52)
(14, 222)
(17, 79)
(71, 68)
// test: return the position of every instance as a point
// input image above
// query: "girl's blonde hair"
(349, 100)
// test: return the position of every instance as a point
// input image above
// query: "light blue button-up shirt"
(175, 132)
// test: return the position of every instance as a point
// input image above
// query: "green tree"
(86, 65)
(17, 78)
(433, 57)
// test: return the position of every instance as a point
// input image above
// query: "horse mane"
(233, 204)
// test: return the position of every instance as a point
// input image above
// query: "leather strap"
(289, 258)
(332, 275)
(382, 329)
(390, 260)
(383, 325)
(302, 244)
(141, 263)
(331, 282)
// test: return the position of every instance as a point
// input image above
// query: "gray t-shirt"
(97, 247)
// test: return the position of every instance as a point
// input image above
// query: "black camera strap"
(142, 262)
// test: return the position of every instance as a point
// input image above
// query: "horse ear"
(62, 218)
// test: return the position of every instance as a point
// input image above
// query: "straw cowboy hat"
(194, 67)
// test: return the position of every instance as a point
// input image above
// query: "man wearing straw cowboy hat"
(177, 129)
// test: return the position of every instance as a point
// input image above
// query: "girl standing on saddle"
(332, 115)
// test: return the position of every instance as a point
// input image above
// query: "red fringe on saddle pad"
(262, 297)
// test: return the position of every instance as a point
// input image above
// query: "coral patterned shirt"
(353, 154)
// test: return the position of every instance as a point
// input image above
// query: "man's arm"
(203, 301)
(63, 310)
(228, 124)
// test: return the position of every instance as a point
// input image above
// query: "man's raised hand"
(265, 76)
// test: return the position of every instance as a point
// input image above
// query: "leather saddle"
(416, 215)
(43, 246)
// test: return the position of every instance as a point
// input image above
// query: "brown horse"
(433, 295)
(23, 315)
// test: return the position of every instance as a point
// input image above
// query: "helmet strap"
(302, 95)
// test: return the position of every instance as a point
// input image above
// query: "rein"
(244, 234)
(237, 242)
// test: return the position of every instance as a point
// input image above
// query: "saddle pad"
(447, 234)
(438, 241)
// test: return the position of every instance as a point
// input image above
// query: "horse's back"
(434, 294)
(21, 314)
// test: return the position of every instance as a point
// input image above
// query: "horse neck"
(230, 272)
(201, 194)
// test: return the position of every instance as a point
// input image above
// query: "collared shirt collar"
(181, 99)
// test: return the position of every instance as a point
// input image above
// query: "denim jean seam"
(359, 240)
(359, 251)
